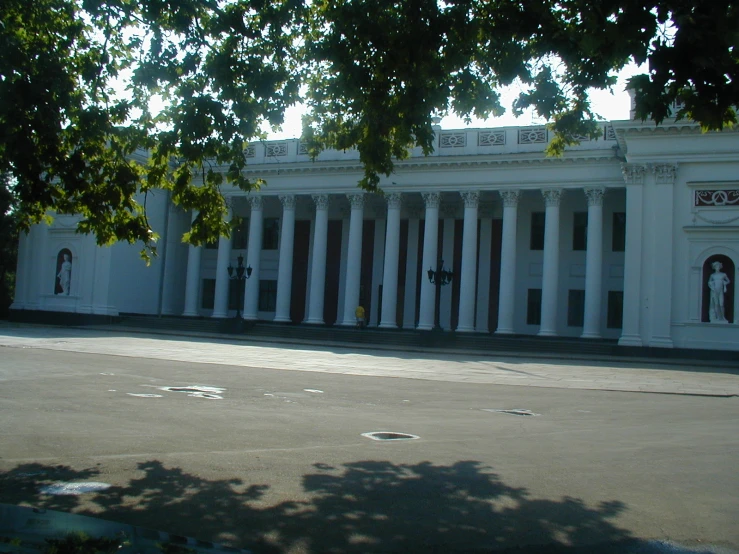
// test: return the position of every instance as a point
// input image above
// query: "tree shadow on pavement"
(365, 506)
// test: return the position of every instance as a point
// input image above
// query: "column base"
(546, 334)
(425, 327)
(661, 342)
(465, 329)
(190, 314)
(630, 340)
(590, 336)
(282, 319)
(500, 331)
(388, 326)
(219, 316)
(313, 322)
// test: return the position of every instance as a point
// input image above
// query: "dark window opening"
(537, 231)
(576, 308)
(267, 295)
(615, 309)
(271, 234)
(618, 242)
(533, 307)
(207, 298)
(580, 231)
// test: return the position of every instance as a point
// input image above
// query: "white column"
(392, 256)
(507, 291)
(345, 219)
(447, 254)
(253, 258)
(468, 277)
(318, 263)
(631, 331)
(593, 264)
(285, 268)
(483, 274)
(430, 239)
(378, 255)
(661, 282)
(411, 269)
(220, 304)
(353, 259)
(550, 276)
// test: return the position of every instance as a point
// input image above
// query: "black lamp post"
(239, 274)
(439, 278)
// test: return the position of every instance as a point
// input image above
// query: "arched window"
(727, 268)
(63, 275)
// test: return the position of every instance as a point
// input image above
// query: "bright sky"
(610, 106)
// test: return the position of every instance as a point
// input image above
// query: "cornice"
(481, 161)
(634, 128)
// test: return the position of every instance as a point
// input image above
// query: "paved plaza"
(714, 378)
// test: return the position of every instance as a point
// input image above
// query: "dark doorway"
(300, 270)
(333, 269)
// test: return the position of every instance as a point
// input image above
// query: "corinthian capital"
(633, 173)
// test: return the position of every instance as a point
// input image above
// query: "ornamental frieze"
(722, 197)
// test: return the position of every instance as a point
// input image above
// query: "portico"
(616, 239)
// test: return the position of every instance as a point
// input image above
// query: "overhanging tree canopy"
(78, 80)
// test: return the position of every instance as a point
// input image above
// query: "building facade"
(633, 236)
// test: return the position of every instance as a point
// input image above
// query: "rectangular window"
(235, 296)
(576, 308)
(207, 299)
(580, 231)
(533, 307)
(240, 234)
(267, 295)
(618, 243)
(271, 234)
(615, 309)
(537, 231)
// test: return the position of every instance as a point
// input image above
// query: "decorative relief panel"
(431, 199)
(510, 198)
(471, 198)
(633, 173)
(491, 138)
(536, 135)
(302, 149)
(250, 151)
(664, 174)
(276, 149)
(453, 140)
(609, 133)
(288, 201)
(724, 197)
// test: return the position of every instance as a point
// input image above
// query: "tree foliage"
(80, 82)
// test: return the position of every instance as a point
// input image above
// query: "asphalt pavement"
(264, 446)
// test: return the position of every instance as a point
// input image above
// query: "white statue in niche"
(717, 282)
(65, 275)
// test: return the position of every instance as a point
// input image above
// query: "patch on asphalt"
(142, 395)
(514, 411)
(198, 391)
(74, 489)
(313, 390)
(389, 436)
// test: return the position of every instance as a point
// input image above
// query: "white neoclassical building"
(634, 236)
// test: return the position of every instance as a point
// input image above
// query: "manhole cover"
(389, 436)
(515, 411)
(198, 391)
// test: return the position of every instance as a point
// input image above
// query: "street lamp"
(239, 274)
(439, 278)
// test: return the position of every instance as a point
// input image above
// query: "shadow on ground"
(367, 506)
